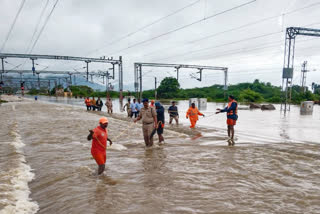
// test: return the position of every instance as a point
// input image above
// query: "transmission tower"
(287, 72)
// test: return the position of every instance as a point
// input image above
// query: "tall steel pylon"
(287, 72)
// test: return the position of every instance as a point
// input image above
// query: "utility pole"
(177, 69)
(87, 61)
(304, 76)
(155, 88)
(33, 68)
(140, 76)
(38, 79)
(107, 84)
(2, 69)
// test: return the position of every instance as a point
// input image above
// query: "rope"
(121, 133)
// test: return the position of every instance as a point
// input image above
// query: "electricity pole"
(155, 88)
(304, 76)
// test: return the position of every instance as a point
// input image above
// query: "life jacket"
(233, 113)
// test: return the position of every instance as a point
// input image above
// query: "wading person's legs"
(160, 132)
(176, 118)
(100, 158)
(170, 121)
(101, 169)
(147, 130)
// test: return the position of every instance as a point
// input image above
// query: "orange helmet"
(152, 101)
(103, 120)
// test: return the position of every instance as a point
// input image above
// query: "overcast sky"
(87, 28)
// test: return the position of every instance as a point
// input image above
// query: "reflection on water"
(273, 168)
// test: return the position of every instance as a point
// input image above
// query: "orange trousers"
(193, 122)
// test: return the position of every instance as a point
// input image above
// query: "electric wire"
(234, 29)
(146, 26)
(12, 26)
(37, 25)
(185, 26)
(43, 26)
(229, 43)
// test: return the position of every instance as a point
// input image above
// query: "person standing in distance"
(173, 112)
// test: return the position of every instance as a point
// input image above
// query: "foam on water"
(117, 147)
(19, 177)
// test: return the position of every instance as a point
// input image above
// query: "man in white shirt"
(134, 110)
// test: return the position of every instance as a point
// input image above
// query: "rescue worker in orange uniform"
(88, 103)
(232, 116)
(152, 104)
(192, 114)
(99, 137)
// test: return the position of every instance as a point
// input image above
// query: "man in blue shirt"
(139, 106)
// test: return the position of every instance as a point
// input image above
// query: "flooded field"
(46, 165)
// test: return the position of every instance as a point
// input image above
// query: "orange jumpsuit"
(99, 145)
(193, 113)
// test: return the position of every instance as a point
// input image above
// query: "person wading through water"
(149, 121)
(88, 103)
(193, 113)
(99, 137)
(109, 105)
(232, 116)
(173, 113)
(160, 119)
(128, 108)
(99, 104)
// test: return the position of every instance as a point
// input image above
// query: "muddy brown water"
(46, 166)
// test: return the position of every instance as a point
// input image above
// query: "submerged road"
(46, 167)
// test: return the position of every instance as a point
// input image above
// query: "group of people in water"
(153, 120)
(93, 104)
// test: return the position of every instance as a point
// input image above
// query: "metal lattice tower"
(287, 72)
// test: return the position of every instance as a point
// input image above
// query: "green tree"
(250, 96)
(168, 88)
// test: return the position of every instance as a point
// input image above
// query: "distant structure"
(138, 73)
(287, 72)
(87, 60)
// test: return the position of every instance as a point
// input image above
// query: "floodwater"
(46, 165)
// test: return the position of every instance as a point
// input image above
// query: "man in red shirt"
(99, 137)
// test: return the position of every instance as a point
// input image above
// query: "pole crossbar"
(57, 57)
(44, 72)
(200, 68)
(180, 66)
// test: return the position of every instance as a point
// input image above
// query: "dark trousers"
(135, 114)
(88, 108)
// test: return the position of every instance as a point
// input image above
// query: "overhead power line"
(37, 26)
(43, 26)
(221, 45)
(235, 28)
(229, 43)
(12, 25)
(146, 26)
(185, 26)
